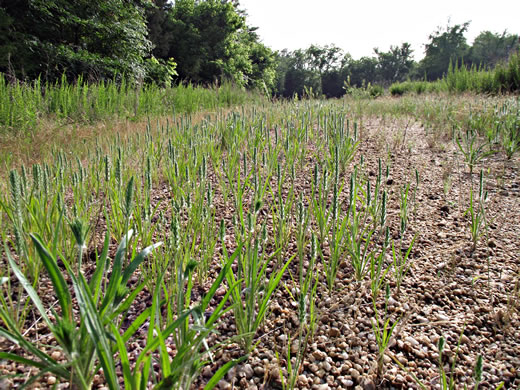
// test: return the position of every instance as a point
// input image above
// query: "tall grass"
(505, 78)
(24, 105)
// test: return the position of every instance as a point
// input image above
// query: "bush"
(376, 90)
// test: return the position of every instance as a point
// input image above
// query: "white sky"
(359, 26)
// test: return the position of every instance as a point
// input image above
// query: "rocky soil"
(452, 291)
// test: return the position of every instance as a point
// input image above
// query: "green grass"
(228, 193)
(505, 78)
(23, 106)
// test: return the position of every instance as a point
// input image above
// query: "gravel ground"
(451, 290)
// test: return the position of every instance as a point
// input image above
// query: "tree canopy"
(208, 41)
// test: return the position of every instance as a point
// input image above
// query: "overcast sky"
(359, 26)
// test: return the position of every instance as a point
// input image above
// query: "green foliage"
(396, 64)
(89, 347)
(211, 41)
(460, 78)
(447, 45)
(489, 49)
(97, 39)
(24, 105)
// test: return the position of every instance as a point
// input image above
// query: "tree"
(447, 45)
(99, 38)
(363, 71)
(394, 65)
(160, 28)
(489, 48)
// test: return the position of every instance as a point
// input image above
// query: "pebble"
(319, 355)
(399, 379)
(354, 374)
(51, 380)
(442, 317)
(56, 355)
(326, 366)
(224, 385)
(207, 372)
(314, 368)
(321, 387)
(247, 371)
(412, 341)
(5, 384)
(440, 266)
(303, 381)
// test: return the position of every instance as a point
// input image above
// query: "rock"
(247, 371)
(319, 355)
(368, 384)
(207, 372)
(51, 380)
(313, 368)
(224, 385)
(5, 384)
(410, 340)
(441, 266)
(334, 332)
(303, 381)
(321, 387)
(259, 371)
(347, 383)
(295, 347)
(354, 374)
(56, 355)
(326, 366)
(442, 317)
(399, 379)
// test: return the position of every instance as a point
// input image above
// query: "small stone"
(326, 366)
(319, 355)
(354, 374)
(5, 384)
(368, 384)
(247, 371)
(303, 381)
(314, 368)
(295, 347)
(224, 385)
(442, 317)
(259, 371)
(347, 383)
(321, 387)
(410, 340)
(399, 379)
(334, 332)
(207, 372)
(441, 266)
(56, 355)
(51, 380)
